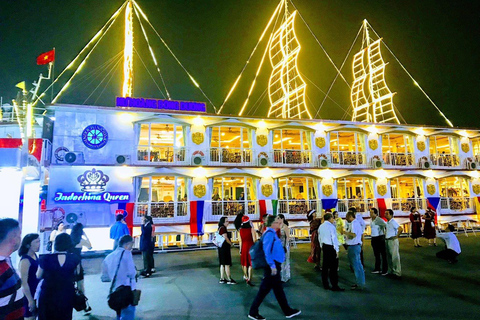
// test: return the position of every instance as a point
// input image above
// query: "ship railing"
(292, 157)
(348, 158)
(399, 159)
(163, 211)
(456, 204)
(362, 205)
(231, 156)
(445, 159)
(296, 208)
(164, 155)
(232, 208)
(405, 204)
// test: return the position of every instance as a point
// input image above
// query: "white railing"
(444, 159)
(232, 207)
(231, 156)
(296, 208)
(456, 204)
(362, 205)
(399, 159)
(348, 158)
(175, 155)
(292, 157)
(174, 211)
(404, 205)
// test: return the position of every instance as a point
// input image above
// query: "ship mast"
(128, 52)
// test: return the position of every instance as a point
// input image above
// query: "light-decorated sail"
(372, 100)
(286, 87)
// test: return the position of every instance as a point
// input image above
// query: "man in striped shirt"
(11, 294)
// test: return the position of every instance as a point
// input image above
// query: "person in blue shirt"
(118, 230)
(274, 255)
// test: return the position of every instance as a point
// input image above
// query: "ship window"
(406, 188)
(347, 141)
(161, 142)
(476, 146)
(355, 188)
(231, 194)
(453, 187)
(443, 145)
(397, 143)
(290, 139)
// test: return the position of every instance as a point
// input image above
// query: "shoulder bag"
(122, 297)
(218, 239)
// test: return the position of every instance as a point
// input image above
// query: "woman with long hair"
(224, 254)
(58, 229)
(416, 226)
(57, 290)
(28, 272)
(80, 240)
(147, 246)
(247, 238)
(285, 238)
(315, 250)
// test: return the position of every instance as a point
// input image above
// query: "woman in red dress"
(315, 250)
(247, 238)
(429, 227)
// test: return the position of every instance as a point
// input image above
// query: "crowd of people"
(48, 287)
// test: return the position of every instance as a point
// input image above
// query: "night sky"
(437, 41)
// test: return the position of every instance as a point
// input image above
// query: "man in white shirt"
(354, 234)
(378, 226)
(119, 267)
(327, 236)
(359, 218)
(452, 246)
(394, 230)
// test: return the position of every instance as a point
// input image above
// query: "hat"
(245, 219)
(311, 212)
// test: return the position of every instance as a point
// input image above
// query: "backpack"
(257, 254)
(218, 239)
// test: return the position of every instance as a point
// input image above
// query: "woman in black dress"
(147, 246)
(224, 254)
(57, 290)
(429, 227)
(416, 231)
(28, 272)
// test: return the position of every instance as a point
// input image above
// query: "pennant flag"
(46, 57)
(384, 204)
(197, 209)
(268, 207)
(329, 203)
(432, 203)
(21, 85)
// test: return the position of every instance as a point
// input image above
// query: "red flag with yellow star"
(46, 57)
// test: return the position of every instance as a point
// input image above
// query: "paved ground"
(186, 287)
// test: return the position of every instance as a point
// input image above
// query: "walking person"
(378, 227)
(274, 255)
(429, 227)
(328, 238)
(147, 246)
(315, 249)
(118, 230)
(224, 253)
(119, 268)
(354, 235)
(11, 293)
(59, 229)
(247, 239)
(285, 238)
(452, 246)
(393, 231)
(28, 273)
(416, 226)
(79, 241)
(57, 289)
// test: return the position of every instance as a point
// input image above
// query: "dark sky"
(437, 41)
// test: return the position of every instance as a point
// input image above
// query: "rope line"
(151, 76)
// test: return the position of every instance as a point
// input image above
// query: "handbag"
(136, 297)
(122, 297)
(79, 300)
(218, 239)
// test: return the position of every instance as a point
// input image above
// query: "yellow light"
(128, 52)
(430, 174)
(266, 173)
(199, 172)
(380, 174)
(420, 131)
(463, 133)
(372, 129)
(125, 117)
(198, 121)
(262, 125)
(326, 173)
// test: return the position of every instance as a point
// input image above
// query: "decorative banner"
(268, 207)
(267, 190)
(329, 203)
(199, 190)
(198, 137)
(320, 142)
(197, 209)
(432, 203)
(431, 189)
(476, 188)
(382, 189)
(160, 104)
(421, 145)
(465, 147)
(262, 140)
(383, 204)
(327, 190)
(373, 144)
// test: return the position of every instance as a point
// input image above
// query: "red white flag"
(46, 57)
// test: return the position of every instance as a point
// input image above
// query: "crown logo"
(93, 181)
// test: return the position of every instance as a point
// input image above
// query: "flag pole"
(52, 68)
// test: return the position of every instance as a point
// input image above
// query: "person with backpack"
(274, 256)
